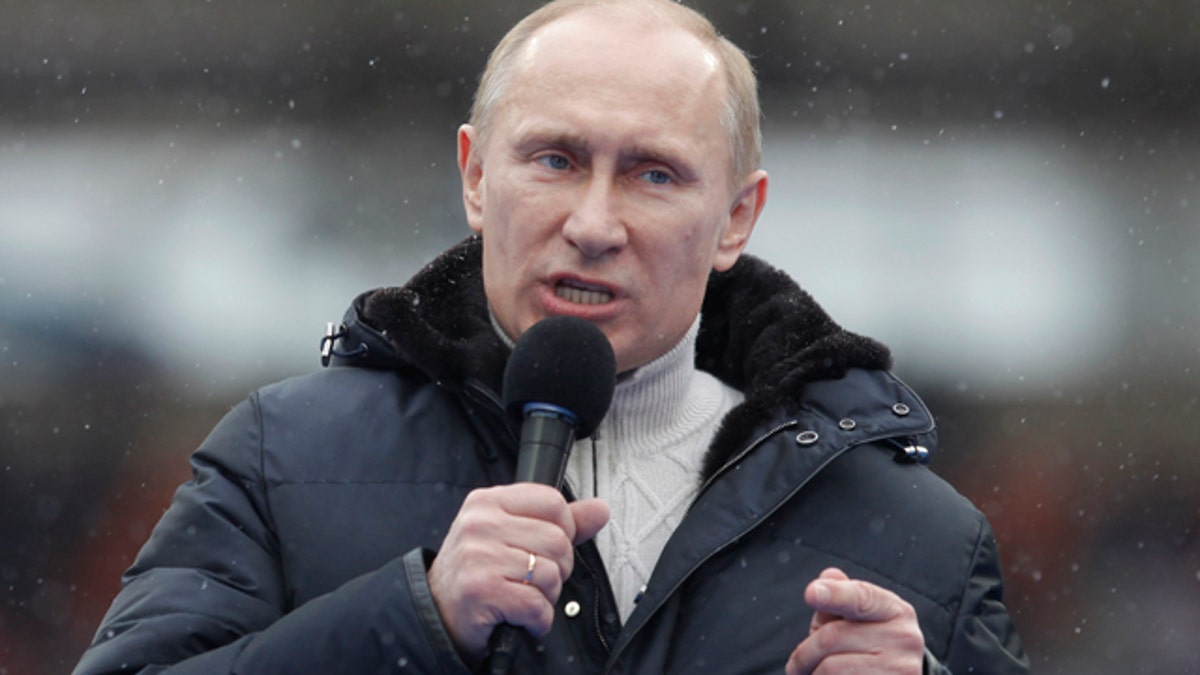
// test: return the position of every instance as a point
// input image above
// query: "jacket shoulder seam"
(268, 511)
(966, 581)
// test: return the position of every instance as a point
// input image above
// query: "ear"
(743, 214)
(470, 167)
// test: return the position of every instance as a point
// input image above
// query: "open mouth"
(581, 293)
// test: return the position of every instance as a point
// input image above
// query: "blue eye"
(556, 162)
(657, 177)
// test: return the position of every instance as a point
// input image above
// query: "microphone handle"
(546, 437)
(503, 645)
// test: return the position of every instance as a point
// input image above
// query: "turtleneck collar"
(655, 402)
(666, 403)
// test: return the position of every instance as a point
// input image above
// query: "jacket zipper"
(489, 397)
(767, 514)
(489, 401)
(596, 596)
(596, 601)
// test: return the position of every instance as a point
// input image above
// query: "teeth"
(581, 296)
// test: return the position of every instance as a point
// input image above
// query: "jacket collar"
(759, 332)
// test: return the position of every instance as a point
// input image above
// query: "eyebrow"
(534, 139)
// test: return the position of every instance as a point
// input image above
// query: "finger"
(533, 500)
(489, 511)
(544, 503)
(836, 663)
(854, 600)
(804, 659)
(524, 516)
(530, 561)
(819, 617)
(835, 641)
(556, 554)
(833, 573)
(527, 606)
(540, 572)
(855, 647)
(590, 516)
(547, 540)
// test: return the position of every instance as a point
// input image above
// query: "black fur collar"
(438, 322)
(759, 332)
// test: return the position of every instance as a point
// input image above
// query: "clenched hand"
(478, 577)
(857, 627)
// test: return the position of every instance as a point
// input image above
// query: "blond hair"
(741, 113)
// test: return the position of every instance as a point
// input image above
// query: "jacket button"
(807, 437)
(847, 424)
(900, 409)
(571, 609)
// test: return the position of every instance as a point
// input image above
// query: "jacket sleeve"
(206, 593)
(984, 637)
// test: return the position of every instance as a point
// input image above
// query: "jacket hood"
(759, 332)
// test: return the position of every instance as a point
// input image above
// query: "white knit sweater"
(645, 458)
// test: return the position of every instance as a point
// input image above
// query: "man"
(743, 516)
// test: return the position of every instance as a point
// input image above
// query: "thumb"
(834, 573)
(590, 516)
(817, 594)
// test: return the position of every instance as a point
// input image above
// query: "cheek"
(518, 212)
(694, 251)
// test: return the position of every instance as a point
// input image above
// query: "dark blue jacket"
(301, 544)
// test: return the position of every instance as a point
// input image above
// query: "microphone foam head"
(564, 361)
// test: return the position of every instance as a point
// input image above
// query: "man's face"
(603, 188)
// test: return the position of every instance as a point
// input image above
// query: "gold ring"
(529, 570)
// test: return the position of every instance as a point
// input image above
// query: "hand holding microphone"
(503, 562)
(484, 576)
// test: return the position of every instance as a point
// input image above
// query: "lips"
(580, 293)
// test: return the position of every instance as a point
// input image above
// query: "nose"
(594, 225)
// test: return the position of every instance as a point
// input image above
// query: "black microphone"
(559, 382)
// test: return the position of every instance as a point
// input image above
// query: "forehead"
(639, 71)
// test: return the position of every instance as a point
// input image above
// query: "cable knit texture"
(644, 460)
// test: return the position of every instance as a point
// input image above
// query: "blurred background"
(1005, 191)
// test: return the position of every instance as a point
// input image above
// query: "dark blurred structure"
(188, 190)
